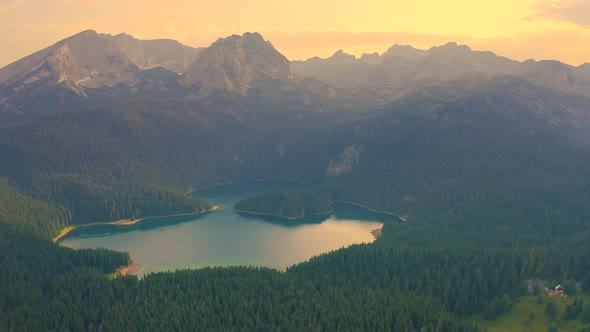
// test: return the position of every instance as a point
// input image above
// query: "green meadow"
(529, 314)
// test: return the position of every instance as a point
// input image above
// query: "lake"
(224, 238)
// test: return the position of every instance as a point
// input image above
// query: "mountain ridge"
(91, 68)
(232, 63)
(489, 169)
(395, 71)
(100, 53)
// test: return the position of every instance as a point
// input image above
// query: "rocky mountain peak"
(85, 60)
(450, 49)
(372, 58)
(233, 63)
(341, 56)
(88, 32)
(89, 60)
(403, 51)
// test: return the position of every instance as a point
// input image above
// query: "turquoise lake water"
(225, 238)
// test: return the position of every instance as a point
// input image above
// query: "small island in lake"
(287, 204)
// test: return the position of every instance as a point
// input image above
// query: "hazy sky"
(519, 29)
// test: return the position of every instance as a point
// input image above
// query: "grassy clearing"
(63, 233)
(527, 315)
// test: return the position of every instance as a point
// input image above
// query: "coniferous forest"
(290, 204)
(488, 173)
(413, 277)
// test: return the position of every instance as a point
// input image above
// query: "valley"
(484, 159)
(224, 238)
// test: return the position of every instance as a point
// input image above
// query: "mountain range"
(91, 60)
(486, 159)
(90, 68)
(95, 111)
(402, 69)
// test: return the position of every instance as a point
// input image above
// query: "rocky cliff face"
(345, 161)
(66, 74)
(85, 60)
(148, 54)
(89, 69)
(92, 60)
(233, 63)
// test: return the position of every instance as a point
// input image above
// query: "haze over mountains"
(98, 68)
(487, 160)
(232, 63)
(404, 68)
(92, 60)
(94, 68)
(184, 117)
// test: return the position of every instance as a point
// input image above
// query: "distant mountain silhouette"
(403, 69)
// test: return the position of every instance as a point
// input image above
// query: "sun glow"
(518, 29)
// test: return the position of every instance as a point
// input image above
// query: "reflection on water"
(310, 220)
(148, 224)
(224, 238)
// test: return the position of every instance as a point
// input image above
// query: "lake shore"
(127, 222)
(377, 233)
(126, 269)
(355, 225)
(63, 233)
(282, 217)
(219, 184)
(403, 218)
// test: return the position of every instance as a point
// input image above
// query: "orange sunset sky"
(518, 29)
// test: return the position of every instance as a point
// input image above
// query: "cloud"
(573, 11)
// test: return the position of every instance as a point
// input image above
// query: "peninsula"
(126, 222)
(287, 204)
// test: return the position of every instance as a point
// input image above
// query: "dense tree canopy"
(494, 189)
(287, 203)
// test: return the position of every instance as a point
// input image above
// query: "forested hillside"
(414, 277)
(112, 164)
(490, 174)
(494, 195)
(288, 203)
(489, 160)
(29, 214)
(52, 288)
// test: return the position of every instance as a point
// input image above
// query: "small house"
(559, 289)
